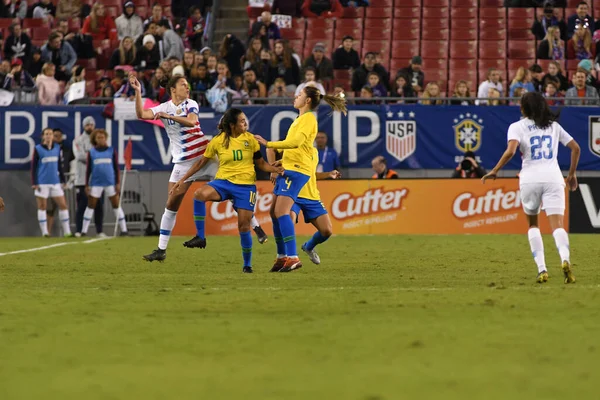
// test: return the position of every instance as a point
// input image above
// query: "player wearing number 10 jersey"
(541, 182)
(238, 152)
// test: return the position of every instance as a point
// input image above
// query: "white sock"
(537, 248)
(64, 221)
(43, 220)
(120, 217)
(253, 222)
(167, 223)
(87, 218)
(561, 238)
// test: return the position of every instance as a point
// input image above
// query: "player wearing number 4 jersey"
(238, 152)
(541, 181)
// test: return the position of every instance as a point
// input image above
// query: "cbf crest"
(594, 135)
(400, 135)
(467, 132)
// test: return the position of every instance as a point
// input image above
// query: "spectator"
(381, 169)
(232, 50)
(157, 16)
(203, 79)
(59, 53)
(66, 9)
(172, 42)
(43, 10)
(194, 29)
(322, 65)
(468, 167)
(224, 75)
(415, 73)
(493, 93)
(536, 77)
(189, 66)
(251, 81)
(555, 72)
(35, 64)
(252, 57)
(129, 23)
(211, 65)
(151, 29)
(360, 75)
(580, 18)
(432, 90)
(462, 94)
(401, 89)
(157, 86)
(66, 151)
(322, 8)
(48, 87)
(521, 80)
(240, 95)
(18, 78)
(581, 90)
(287, 7)
(375, 84)
(77, 75)
(284, 66)
(551, 90)
(338, 90)
(580, 47)
(345, 57)
(354, 3)
(279, 94)
(127, 91)
(180, 8)
(518, 93)
(493, 81)
(5, 69)
(310, 80)
(125, 54)
(365, 96)
(17, 9)
(328, 157)
(18, 44)
(63, 28)
(551, 48)
(271, 30)
(591, 76)
(118, 79)
(148, 57)
(98, 24)
(546, 21)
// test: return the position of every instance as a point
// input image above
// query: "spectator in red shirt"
(195, 28)
(322, 8)
(99, 25)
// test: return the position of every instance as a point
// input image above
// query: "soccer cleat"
(279, 263)
(569, 277)
(124, 234)
(261, 235)
(542, 277)
(195, 242)
(69, 235)
(312, 255)
(247, 270)
(291, 264)
(46, 235)
(156, 255)
(78, 234)
(101, 235)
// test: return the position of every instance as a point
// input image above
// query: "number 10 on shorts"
(252, 198)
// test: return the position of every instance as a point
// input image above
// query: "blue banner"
(409, 136)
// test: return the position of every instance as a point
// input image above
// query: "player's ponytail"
(227, 120)
(337, 103)
(535, 107)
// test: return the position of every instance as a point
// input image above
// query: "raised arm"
(189, 121)
(139, 106)
(292, 141)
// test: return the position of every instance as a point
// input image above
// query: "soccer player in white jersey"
(541, 182)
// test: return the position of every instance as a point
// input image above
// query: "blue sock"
(199, 215)
(289, 236)
(315, 240)
(246, 240)
(278, 237)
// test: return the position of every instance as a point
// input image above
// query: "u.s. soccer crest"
(467, 132)
(594, 135)
(400, 135)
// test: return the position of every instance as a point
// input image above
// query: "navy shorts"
(243, 196)
(290, 183)
(311, 209)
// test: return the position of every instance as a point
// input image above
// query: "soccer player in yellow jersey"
(298, 164)
(238, 152)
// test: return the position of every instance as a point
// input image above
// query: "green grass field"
(395, 317)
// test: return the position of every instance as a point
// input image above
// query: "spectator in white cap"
(129, 23)
(148, 56)
(81, 148)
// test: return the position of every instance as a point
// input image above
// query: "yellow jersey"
(298, 145)
(310, 190)
(236, 162)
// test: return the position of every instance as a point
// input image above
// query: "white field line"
(53, 245)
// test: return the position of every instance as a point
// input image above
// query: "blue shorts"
(290, 184)
(311, 209)
(243, 196)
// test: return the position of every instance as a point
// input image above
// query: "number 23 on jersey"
(541, 147)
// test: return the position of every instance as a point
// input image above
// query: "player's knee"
(244, 226)
(327, 232)
(199, 195)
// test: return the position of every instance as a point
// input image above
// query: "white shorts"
(207, 173)
(96, 191)
(549, 197)
(46, 191)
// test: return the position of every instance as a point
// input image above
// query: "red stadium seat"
(341, 31)
(467, 64)
(461, 75)
(318, 23)
(435, 33)
(492, 34)
(399, 24)
(353, 12)
(407, 13)
(378, 33)
(41, 33)
(492, 24)
(406, 32)
(397, 64)
(295, 32)
(405, 48)
(377, 46)
(140, 3)
(520, 17)
(142, 11)
(383, 23)
(513, 65)
(356, 23)
(440, 76)
(492, 13)
(382, 3)
(520, 34)
(115, 3)
(463, 49)
(436, 3)
(435, 12)
(115, 11)
(485, 65)
(74, 24)
(87, 64)
(521, 49)
(297, 45)
(5, 23)
(434, 49)
(491, 4)
(492, 49)
(430, 64)
(342, 74)
(34, 23)
(572, 4)
(38, 42)
(346, 84)
(463, 13)
(463, 34)
(464, 3)
(377, 13)
(319, 34)
(436, 22)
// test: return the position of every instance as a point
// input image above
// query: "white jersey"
(186, 143)
(539, 150)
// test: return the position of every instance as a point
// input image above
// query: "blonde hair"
(126, 57)
(557, 65)
(46, 66)
(427, 94)
(587, 40)
(94, 17)
(520, 76)
(95, 133)
(336, 102)
(550, 38)
(462, 82)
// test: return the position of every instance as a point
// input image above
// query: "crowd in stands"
(49, 46)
